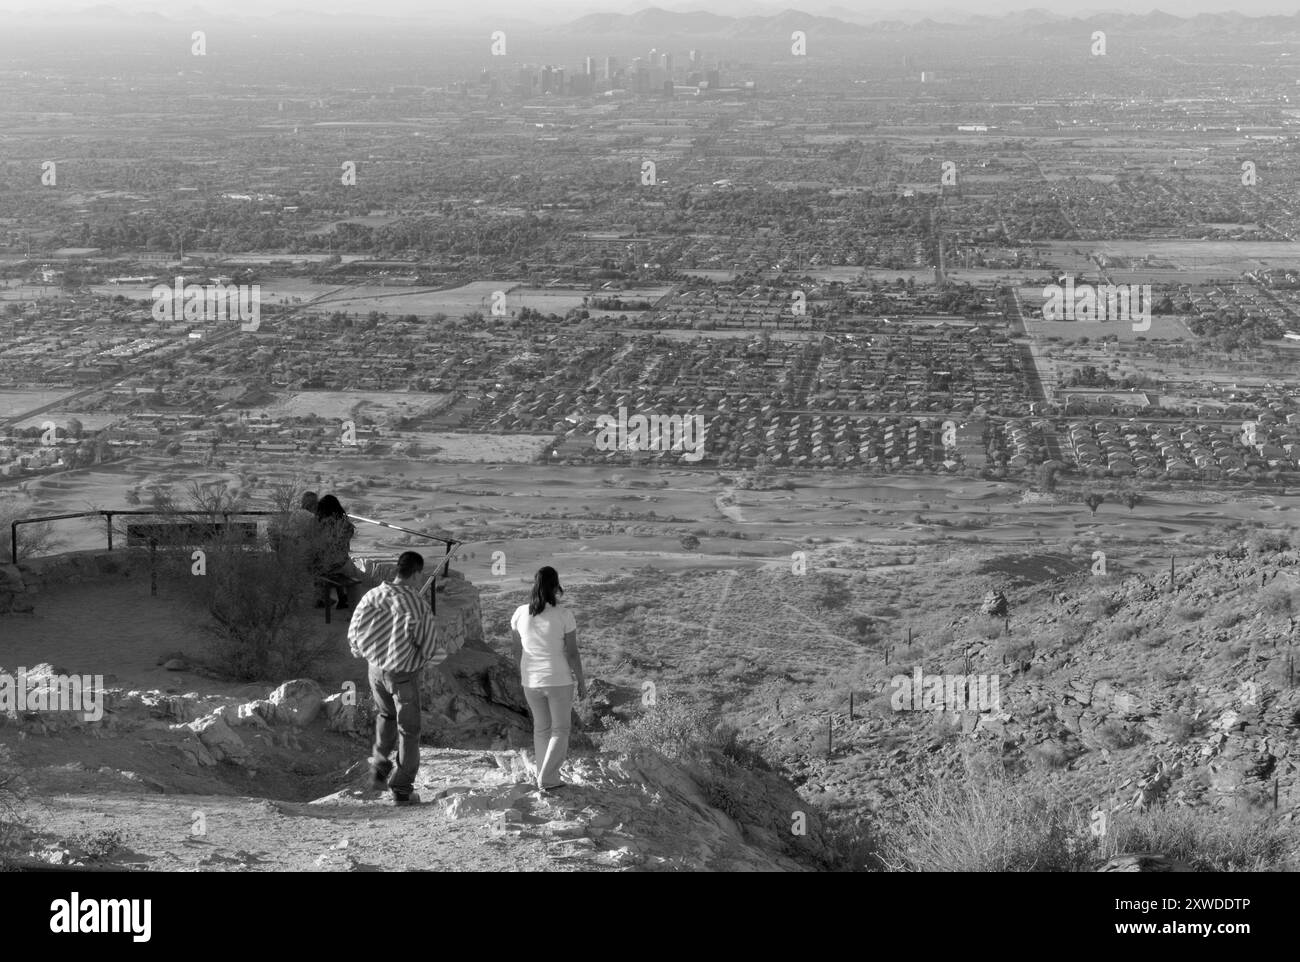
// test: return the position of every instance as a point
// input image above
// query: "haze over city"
(602, 437)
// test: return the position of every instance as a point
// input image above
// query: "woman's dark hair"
(546, 585)
(329, 507)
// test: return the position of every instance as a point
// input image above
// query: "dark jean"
(397, 701)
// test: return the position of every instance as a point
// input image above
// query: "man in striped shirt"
(393, 628)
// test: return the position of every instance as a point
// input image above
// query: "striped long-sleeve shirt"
(393, 628)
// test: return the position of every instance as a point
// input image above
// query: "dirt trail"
(355, 830)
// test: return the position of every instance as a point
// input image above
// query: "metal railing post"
(108, 517)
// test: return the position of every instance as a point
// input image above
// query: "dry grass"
(997, 825)
(1208, 841)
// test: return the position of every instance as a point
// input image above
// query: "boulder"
(995, 604)
(482, 672)
(219, 738)
(181, 708)
(343, 714)
(298, 701)
(465, 806)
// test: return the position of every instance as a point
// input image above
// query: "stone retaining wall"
(21, 582)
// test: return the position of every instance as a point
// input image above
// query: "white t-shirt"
(543, 664)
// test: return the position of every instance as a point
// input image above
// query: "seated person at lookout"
(334, 556)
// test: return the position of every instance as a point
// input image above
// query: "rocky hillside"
(167, 780)
(1119, 695)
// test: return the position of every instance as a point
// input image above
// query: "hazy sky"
(550, 10)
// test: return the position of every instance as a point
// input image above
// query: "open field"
(91, 422)
(1232, 256)
(15, 402)
(476, 296)
(350, 404)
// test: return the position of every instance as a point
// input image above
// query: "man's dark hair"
(546, 585)
(410, 563)
(308, 502)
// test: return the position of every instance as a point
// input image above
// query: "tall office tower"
(611, 67)
(695, 58)
(714, 79)
(557, 80)
(589, 67)
(666, 61)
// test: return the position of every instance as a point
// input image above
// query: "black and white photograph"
(588, 436)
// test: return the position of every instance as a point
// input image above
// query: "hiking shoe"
(379, 775)
(406, 798)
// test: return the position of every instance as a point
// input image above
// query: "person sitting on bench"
(334, 560)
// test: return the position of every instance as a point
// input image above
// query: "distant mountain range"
(655, 21)
(659, 23)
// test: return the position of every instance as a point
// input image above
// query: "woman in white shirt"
(545, 636)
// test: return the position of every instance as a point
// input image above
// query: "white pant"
(552, 709)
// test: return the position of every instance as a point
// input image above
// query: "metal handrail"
(108, 516)
(443, 568)
(444, 565)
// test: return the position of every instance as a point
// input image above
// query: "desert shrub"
(258, 602)
(1264, 542)
(1189, 614)
(1049, 755)
(854, 846)
(1015, 648)
(673, 726)
(11, 831)
(1168, 673)
(1115, 735)
(995, 825)
(97, 846)
(34, 540)
(829, 591)
(1207, 840)
(1229, 618)
(1277, 600)
(1121, 632)
(722, 795)
(1178, 727)
(727, 739)
(1072, 633)
(1153, 639)
(1099, 608)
